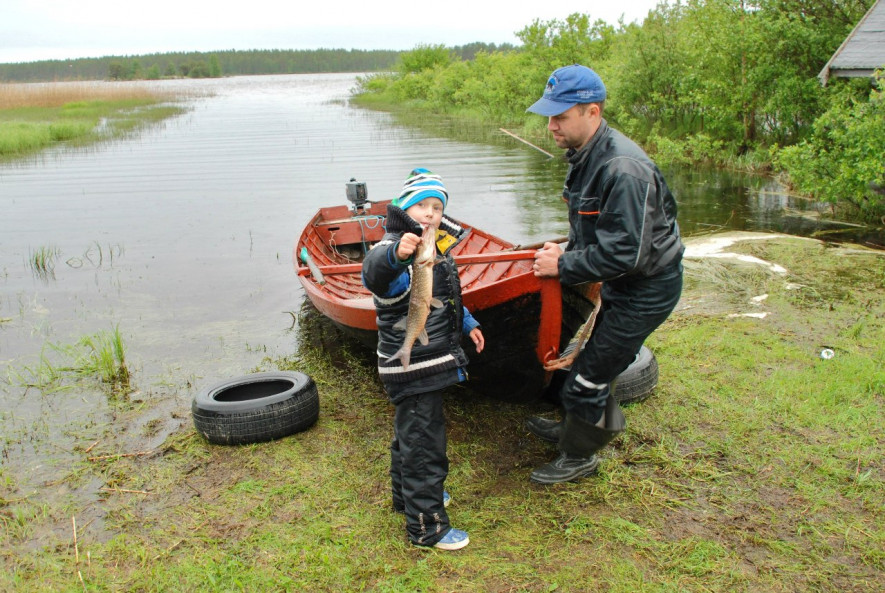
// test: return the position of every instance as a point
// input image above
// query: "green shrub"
(842, 161)
(425, 57)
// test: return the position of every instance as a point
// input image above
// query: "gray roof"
(863, 51)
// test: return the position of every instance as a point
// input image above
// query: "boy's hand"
(478, 339)
(408, 243)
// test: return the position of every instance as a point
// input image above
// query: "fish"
(421, 299)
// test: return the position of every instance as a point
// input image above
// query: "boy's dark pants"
(419, 466)
(631, 310)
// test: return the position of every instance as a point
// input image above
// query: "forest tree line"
(731, 83)
(217, 63)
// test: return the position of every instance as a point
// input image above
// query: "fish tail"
(403, 355)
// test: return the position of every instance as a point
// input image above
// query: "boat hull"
(526, 321)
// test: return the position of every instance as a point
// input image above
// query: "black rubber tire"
(256, 408)
(639, 379)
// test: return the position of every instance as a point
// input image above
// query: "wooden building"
(863, 51)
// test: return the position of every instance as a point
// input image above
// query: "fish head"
(426, 251)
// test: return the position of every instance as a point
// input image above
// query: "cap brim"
(549, 108)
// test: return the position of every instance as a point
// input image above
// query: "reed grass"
(101, 355)
(36, 116)
(45, 375)
(58, 94)
(42, 261)
(106, 358)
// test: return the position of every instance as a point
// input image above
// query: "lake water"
(181, 237)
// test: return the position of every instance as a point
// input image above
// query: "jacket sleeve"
(621, 233)
(383, 274)
(469, 322)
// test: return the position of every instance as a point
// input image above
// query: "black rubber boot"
(565, 468)
(578, 444)
(544, 428)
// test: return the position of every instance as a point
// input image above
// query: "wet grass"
(755, 466)
(34, 117)
(100, 356)
(105, 358)
(42, 262)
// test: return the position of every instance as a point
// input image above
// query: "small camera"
(357, 193)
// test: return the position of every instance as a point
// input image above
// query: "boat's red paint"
(496, 278)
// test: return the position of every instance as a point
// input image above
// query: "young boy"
(418, 461)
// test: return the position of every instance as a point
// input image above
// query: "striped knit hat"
(421, 184)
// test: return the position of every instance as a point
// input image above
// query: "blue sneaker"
(454, 539)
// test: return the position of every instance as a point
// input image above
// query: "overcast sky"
(32, 30)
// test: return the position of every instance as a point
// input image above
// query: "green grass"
(26, 130)
(755, 466)
(99, 356)
(105, 358)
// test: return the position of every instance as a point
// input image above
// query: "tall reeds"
(42, 262)
(36, 116)
(57, 94)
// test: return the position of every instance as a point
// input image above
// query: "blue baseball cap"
(568, 86)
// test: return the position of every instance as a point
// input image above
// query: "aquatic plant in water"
(101, 355)
(42, 262)
(106, 358)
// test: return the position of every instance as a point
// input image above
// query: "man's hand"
(408, 243)
(547, 261)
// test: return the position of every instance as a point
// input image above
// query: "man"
(623, 233)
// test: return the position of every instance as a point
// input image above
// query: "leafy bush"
(425, 57)
(498, 86)
(711, 81)
(842, 161)
(699, 148)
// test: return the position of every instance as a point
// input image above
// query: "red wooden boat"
(526, 321)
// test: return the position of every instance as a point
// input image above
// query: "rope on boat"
(364, 224)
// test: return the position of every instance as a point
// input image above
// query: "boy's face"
(428, 211)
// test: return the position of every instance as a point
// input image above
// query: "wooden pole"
(526, 142)
(539, 244)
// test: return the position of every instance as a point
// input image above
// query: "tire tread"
(262, 423)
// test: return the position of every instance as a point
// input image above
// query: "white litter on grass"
(762, 315)
(714, 246)
(757, 300)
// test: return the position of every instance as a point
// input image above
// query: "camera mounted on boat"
(357, 193)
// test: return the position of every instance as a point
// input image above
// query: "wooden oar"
(494, 257)
(515, 253)
(460, 260)
(538, 245)
(314, 269)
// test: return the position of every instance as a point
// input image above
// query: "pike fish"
(421, 299)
